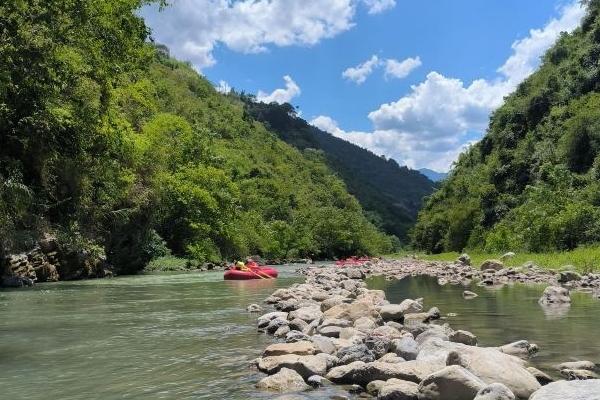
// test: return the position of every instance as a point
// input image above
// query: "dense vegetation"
(392, 195)
(533, 182)
(113, 146)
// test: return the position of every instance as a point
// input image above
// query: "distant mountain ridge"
(435, 176)
(391, 194)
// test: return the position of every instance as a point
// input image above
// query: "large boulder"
(286, 380)
(352, 311)
(496, 265)
(323, 344)
(357, 352)
(567, 276)
(362, 373)
(302, 348)
(520, 348)
(495, 391)
(555, 295)
(405, 347)
(569, 390)
(304, 365)
(307, 314)
(464, 337)
(450, 383)
(489, 364)
(396, 389)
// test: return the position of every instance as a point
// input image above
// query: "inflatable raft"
(250, 273)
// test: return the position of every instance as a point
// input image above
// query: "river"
(188, 336)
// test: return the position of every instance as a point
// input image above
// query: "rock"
(286, 380)
(282, 331)
(307, 314)
(521, 348)
(380, 345)
(507, 256)
(567, 276)
(264, 320)
(275, 324)
(463, 337)
(287, 305)
(495, 391)
(365, 324)
(464, 259)
(46, 273)
(387, 331)
(298, 324)
(317, 381)
(469, 295)
(253, 308)
(374, 387)
(304, 365)
(362, 373)
(489, 364)
(295, 336)
(352, 311)
(303, 348)
(354, 273)
(578, 374)
(342, 323)
(405, 347)
(541, 377)
(450, 383)
(331, 302)
(323, 344)
(392, 312)
(495, 265)
(454, 358)
(569, 390)
(358, 352)
(590, 366)
(351, 334)
(396, 389)
(555, 295)
(391, 358)
(329, 331)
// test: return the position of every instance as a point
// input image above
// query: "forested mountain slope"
(391, 194)
(533, 182)
(117, 149)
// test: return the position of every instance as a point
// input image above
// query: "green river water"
(188, 336)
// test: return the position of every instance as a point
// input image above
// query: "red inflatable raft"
(250, 273)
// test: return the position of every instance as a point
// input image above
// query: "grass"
(584, 259)
(170, 263)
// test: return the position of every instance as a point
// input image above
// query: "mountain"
(433, 175)
(533, 182)
(119, 151)
(391, 194)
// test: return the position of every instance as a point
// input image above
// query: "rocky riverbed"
(333, 330)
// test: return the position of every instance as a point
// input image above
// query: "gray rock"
(298, 324)
(396, 389)
(578, 374)
(323, 344)
(388, 332)
(296, 336)
(282, 331)
(304, 348)
(391, 358)
(307, 314)
(304, 365)
(590, 366)
(541, 377)
(464, 259)
(495, 265)
(374, 387)
(353, 311)
(365, 324)
(264, 320)
(329, 331)
(569, 390)
(469, 295)
(450, 383)
(317, 381)
(495, 391)
(568, 276)
(331, 302)
(521, 348)
(358, 352)
(464, 337)
(555, 295)
(286, 380)
(354, 273)
(362, 373)
(405, 347)
(254, 308)
(380, 345)
(275, 324)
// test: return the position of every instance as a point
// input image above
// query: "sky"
(413, 80)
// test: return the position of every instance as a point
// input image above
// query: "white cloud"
(360, 73)
(401, 69)
(432, 124)
(192, 29)
(378, 6)
(223, 87)
(280, 95)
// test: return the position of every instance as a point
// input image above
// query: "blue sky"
(413, 80)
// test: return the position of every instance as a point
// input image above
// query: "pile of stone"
(333, 330)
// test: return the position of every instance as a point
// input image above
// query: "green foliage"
(531, 184)
(100, 132)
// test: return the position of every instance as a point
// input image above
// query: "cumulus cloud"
(192, 29)
(440, 116)
(393, 68)
(280, 96)
(223, 87)
(378, 6)
(401, 69)
(360, 73)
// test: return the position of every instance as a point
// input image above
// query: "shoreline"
(336, 331)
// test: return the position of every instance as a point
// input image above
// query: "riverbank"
(337, 331)
(582, 259)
